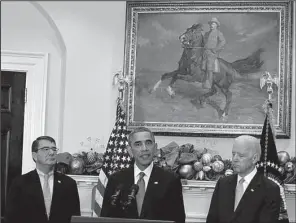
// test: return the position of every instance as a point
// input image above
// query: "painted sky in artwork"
(158, 47)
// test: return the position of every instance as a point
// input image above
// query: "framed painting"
(195, 67)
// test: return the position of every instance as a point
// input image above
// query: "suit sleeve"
(175, 201)
(12, 203)
(271, 207)
(213, 214)
(106, 206)
(75, 202)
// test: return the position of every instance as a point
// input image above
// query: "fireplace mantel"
(197, 196)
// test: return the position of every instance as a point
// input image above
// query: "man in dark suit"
(247, 196)
(160, 192)
(42, 195)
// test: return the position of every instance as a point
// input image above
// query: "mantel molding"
(197, 196)
(190, 186)
(290, 188)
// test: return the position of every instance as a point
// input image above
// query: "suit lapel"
(150, 192)
(230, 195)
(249, 194)
(130, 180)
(37, 194)
(57, 193)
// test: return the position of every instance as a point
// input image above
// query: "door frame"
(36, 67)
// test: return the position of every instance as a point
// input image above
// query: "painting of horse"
(190, 70)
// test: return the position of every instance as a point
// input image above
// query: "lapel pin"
(155, 182)
(252, 190)
(59, 181)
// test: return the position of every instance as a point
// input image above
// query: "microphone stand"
(131, 197)
(116, 203)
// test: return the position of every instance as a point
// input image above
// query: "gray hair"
(252, 143)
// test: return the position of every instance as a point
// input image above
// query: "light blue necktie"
(141, 193)
(47, 194)
(239, 192)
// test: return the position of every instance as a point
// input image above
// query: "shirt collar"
(147, 171)
(248, 178)
(40, 173)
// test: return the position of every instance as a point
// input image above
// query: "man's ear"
(34, 155)
(155, 149)
(129, 150)
(256, 158)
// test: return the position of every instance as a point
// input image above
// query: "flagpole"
(268, 107)
(269, 158)
(269, 81)
(116, 156)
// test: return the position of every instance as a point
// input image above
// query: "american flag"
(116, 158)
(269, 164)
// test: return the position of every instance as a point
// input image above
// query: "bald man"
(246, 196)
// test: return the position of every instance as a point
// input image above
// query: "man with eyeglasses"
(42, 195)
(159, 195)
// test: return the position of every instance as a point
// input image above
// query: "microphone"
(132, 195)
(114, 198)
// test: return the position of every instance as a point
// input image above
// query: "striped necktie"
(47, 194)
(239, 192)
(141, 193)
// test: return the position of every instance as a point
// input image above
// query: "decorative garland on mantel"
(185, 161)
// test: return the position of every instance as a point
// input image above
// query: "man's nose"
(144, 147)
(234, 157)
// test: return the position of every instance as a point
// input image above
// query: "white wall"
(93, 33)
(24, 29)
(94, 37)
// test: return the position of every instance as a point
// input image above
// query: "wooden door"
(13, 89)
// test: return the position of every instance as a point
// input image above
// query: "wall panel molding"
(35, 65)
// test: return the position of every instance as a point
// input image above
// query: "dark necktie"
(141, 193)
(47, 194)
(239, 192)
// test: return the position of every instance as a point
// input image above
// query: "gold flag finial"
(269, 80)
(121, 80)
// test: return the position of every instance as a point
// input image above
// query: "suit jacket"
(163, 197)
(25, 202)
(259, 204)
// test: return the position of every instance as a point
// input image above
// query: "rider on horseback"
(214, 42)
(189, 42)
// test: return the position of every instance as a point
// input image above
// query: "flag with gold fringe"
(269, 163)
(115, 157)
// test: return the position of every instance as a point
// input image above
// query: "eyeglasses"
(46, 149)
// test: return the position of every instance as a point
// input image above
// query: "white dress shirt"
(50, 179)
(248, 178)
(147, 172)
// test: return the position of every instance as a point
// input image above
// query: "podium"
(83, 219)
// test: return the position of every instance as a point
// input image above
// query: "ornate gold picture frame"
(166, 58)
